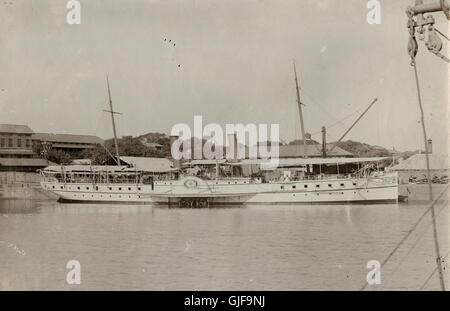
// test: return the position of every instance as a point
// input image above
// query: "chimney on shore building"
(176, 163)
(429, 146)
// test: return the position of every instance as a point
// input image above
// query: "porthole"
(330, 185)
(78, 188)
(110, 188)
(293, 187)
(317, 186)
(305, 186)
(281, 187)
(87, 188)
(129, 188)
(53, 187)
(120, 188)
(61, 187)
(342, 185)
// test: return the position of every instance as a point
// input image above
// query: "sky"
(231, 63)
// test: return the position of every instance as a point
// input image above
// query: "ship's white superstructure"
(123, 184)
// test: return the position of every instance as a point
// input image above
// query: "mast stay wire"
(434, 45)
(417, 242)
(433, 272)
(439, 32)
(339, 122)
(410, 231)
(101, 121)
(433, 216)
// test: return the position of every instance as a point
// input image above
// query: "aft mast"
(305, 154)
(113, 122)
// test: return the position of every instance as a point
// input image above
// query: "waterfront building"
(414, 169)
(16, 153)
(67, 142)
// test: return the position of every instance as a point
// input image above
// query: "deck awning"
(78, 168)
(151, 165)
(286, 162)
(207, 162)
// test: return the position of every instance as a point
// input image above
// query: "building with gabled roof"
(67, 142)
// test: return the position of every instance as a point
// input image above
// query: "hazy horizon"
(232, 63)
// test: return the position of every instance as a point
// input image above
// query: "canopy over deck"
(207, 162)
(87, 168)
(152, 165)
(309, 161)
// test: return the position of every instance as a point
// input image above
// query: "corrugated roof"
(154, 165)
(418, 162)
(24, 162)
(72, 146)
(15, 128)
(68, 138)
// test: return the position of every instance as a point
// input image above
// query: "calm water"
(248, 248)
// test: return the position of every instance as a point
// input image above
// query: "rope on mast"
(434, 47)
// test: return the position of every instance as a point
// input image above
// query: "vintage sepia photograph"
(239, 145)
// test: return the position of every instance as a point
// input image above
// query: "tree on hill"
(128, 146)
(364, 150)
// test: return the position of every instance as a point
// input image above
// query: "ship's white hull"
(327, 191)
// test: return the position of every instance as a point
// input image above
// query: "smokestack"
(176, 163)
(324, 141)
(430, 146)
(236, 146)
(232, 148)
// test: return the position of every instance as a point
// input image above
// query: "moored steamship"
(126, 184)
(129, 184)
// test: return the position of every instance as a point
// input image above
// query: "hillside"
(364, 150)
